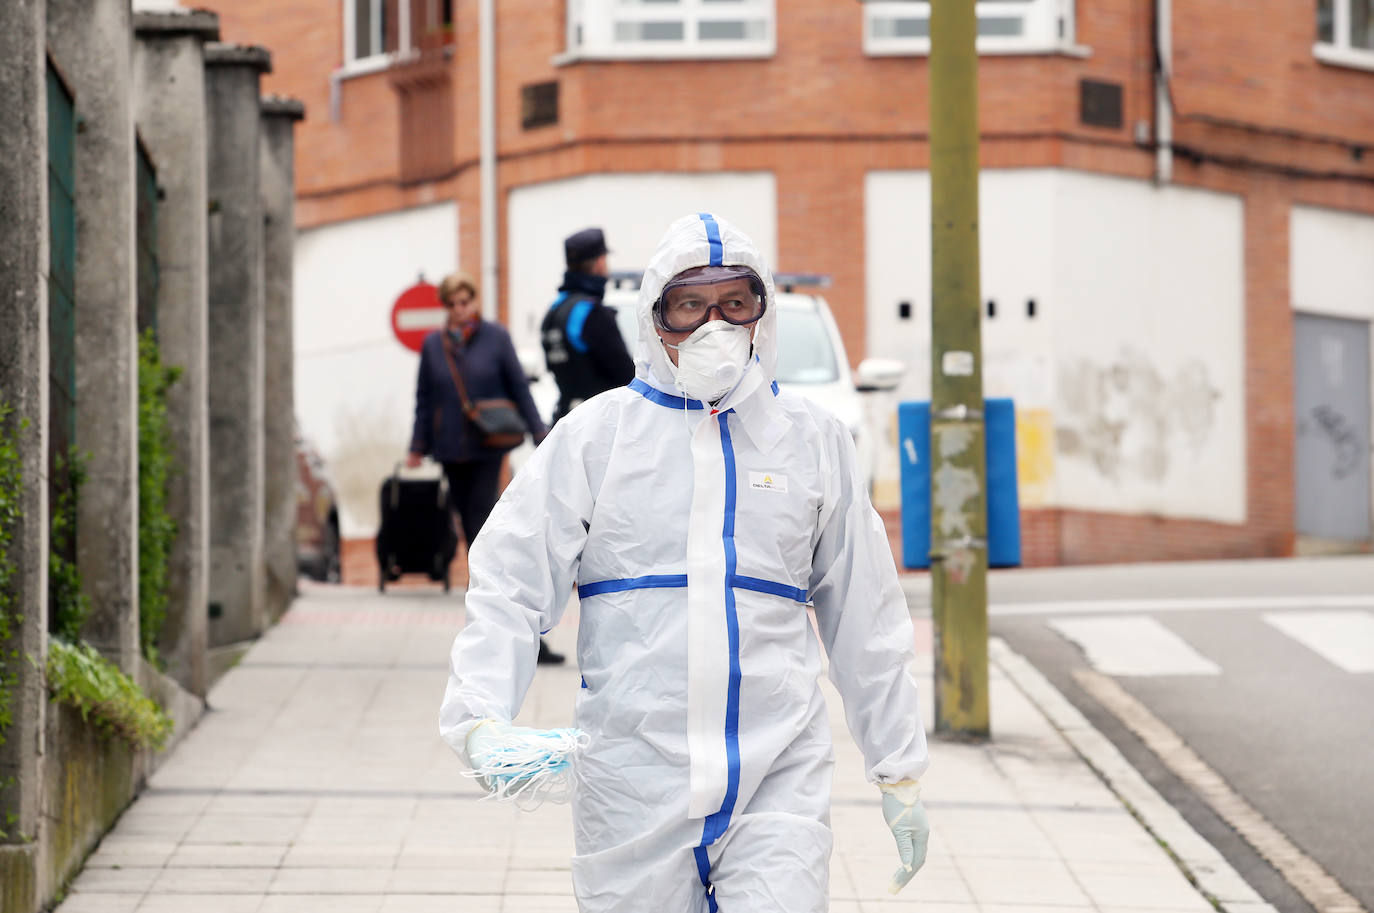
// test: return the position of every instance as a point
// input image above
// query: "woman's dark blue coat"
(490, 370)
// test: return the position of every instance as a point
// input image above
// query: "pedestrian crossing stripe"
(1132, 645)
(1344, 639)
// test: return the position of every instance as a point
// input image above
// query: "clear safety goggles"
(689, 298)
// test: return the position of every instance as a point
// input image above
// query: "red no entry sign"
(416, 312)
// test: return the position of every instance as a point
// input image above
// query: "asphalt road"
(1219, 652)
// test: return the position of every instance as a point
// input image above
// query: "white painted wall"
(633, 210)
(1129, 380)
(1331, 256)
(355, 384)
(1331, 262)
(1149, 322)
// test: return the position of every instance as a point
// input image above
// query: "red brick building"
(1178, 198)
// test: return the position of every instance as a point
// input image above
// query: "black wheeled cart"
(416, 535)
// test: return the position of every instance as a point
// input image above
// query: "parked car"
(317, 516)
(811, 358)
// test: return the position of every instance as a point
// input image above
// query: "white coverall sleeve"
(521, 570)
(863, 621)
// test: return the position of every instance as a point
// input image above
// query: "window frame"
(378, 60)
(1340, 50)
(1058, 37)
(600, 43)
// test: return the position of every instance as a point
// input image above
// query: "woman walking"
(481, 354)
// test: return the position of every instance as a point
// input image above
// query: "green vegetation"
(80, 677)
(67, 605)
(156, 529)
(11, 489)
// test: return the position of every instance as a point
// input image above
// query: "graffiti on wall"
(1341, 433)
(1130, 420)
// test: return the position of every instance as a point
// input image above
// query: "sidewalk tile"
(444, 881)
(1039, 882)
(326, 856)
(246, 829)
(131, 852)
(1162, 887)
(219, 855)
(201, 903)
(329, 881)
(538, 903)
(903, 903)
(82, 902)
(488, 903)
(213, 881)
(1030, 908)
(462, 860)
(239, 804)
(115, 881)
(522, 881)
(306, 903)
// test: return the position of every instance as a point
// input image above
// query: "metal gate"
(61, 277)
(1332, 387)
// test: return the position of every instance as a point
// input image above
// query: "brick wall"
(1258, 117)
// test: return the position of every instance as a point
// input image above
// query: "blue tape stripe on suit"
(664, 581)
(713, 238)
(648, 582)
(704, 873)
(661, 398)
(759, 585)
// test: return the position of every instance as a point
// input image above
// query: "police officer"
(582, 344)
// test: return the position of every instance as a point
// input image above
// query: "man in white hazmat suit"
(699, 511)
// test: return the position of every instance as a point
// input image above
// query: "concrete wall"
(237, 580)
(276, 155)
(1129, 376)
(355, 384)
(89, 777)
(169, 84)
(90, 41)
(24, 387)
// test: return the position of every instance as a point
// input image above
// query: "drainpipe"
(1164, 115)
(486, 90)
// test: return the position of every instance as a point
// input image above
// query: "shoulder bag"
(498, 422)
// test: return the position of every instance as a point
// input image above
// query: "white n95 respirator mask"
(712, 360)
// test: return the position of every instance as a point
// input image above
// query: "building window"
(1004, 26)
(1346, 27)
(378, 31)
(670, 28)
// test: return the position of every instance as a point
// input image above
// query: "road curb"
(1199, 861)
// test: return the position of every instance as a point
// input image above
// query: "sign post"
(958, 481)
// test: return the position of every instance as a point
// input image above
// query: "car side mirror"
(875, 374)
(532, 363)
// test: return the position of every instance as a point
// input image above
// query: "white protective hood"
(704, 239)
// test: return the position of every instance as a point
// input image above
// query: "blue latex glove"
(906, 816)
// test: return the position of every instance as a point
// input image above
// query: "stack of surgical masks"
(532, 767)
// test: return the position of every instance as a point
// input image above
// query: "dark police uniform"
(582, 344)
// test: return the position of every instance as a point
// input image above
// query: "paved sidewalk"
(318, 782)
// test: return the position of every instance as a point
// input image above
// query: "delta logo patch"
(768, 481)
